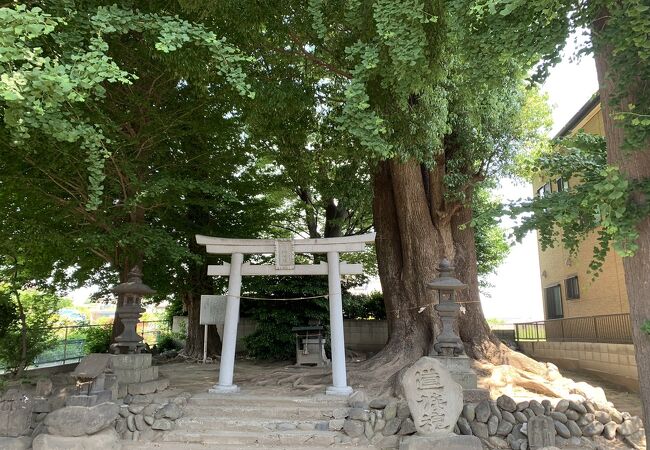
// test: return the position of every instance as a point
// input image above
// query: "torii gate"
(284, 250)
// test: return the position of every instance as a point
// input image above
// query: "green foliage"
(22, 342)
(646, 327)
(273, 338)
(97, 338)
(600, 200)
(177, 165)
(169, 341)
(175, 308)
(51, 74)
(620, 27)
(491, 244)
(369, 306)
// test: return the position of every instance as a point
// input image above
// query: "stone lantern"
(129, 313)
(448, 348)
(447, 343)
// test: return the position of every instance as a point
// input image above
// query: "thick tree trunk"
(416, 228)
(635, 164)
(474, 330)
(408, 250)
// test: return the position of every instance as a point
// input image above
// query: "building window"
(572, 288)
(554, 302)
(544, 190)
(562, 184)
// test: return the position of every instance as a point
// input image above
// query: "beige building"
(568, 290)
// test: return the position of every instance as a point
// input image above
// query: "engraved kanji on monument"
(541, 432)
(434, 398)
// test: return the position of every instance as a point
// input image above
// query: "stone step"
(126, 445)
(207, 423)
(207, 399)
(231, 411)
(289, 439)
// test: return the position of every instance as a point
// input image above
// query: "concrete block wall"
(360, 335)
(614, 362)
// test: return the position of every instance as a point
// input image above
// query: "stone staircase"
(245, 421)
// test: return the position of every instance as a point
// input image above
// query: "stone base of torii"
(284, 251)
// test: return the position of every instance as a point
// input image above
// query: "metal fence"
(70, 341)
(611, 328)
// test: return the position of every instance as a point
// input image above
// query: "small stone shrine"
(95, 381)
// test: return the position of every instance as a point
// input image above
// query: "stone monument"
(435, 401)
(541, 432)
(448, 348)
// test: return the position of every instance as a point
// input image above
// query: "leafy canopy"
(57, 62)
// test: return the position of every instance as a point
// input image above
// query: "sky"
(516, 294)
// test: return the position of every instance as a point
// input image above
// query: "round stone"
(162, 424)
(627, 428)
(504, 428)
(508, 417)
(560, 417)
(572, 414)
(585, 420)
(483, 411)
(469, 411)
(493, 424)
(616, 416)
(574, 428)
(537, 407)
(562, 406)
(354, 428)
(379, 403)
(407, 427)
(577, 407)
(403, 411)
(358, 414)
(522, 405)
(520, 417)
(480, 430)
(463, 426)
(609, 432)
(595, 428)
(603, 417)
(562, 429)
(506, 403)
(495, 410)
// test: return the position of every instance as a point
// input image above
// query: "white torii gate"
(284, 250)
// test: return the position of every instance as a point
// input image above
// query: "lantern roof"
(446, 280)
(133, 285)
